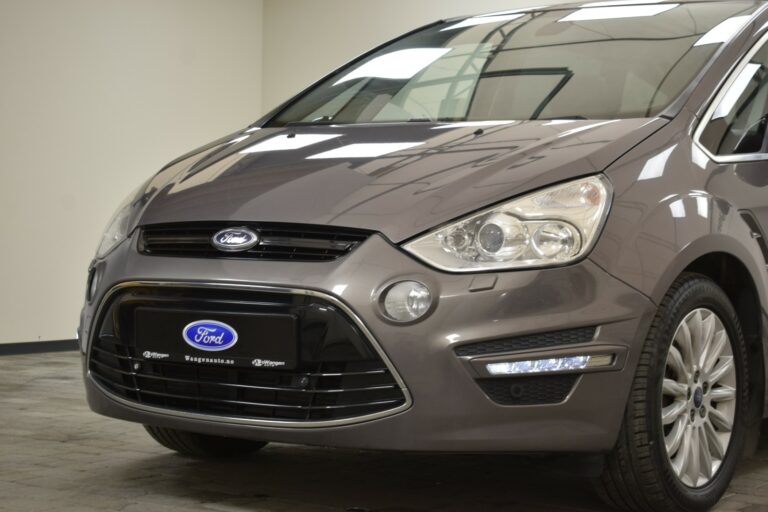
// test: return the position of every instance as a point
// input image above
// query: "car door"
(734, 134)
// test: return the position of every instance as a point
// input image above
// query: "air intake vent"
(546, 389)
(282, 242)
(532, 341)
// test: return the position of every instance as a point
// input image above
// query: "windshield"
(607, 61)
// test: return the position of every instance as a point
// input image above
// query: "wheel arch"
(649, 248)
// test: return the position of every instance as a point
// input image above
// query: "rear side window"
(738, 123)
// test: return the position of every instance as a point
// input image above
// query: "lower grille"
(339, 375)
(541, 390)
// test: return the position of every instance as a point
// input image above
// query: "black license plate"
(216, 338)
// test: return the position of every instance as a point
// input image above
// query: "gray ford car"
(538, 230)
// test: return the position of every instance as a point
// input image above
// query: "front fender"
(666, 214)
(651, 254)
(673, 206)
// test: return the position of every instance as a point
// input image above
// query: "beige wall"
(306, 39)
(96, 95)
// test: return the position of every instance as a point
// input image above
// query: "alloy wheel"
(699, 393)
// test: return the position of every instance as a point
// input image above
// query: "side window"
(738, 125)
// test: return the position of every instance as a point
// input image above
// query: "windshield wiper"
(562, 118)
(323, 120)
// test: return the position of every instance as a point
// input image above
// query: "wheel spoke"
(724, 367)
(675, 361)
(696, 324)
(707, 336)
(714, 351)
(715, 446)
(705, 453)
(673, 388)
(719, 421)
(675, 437)
(680, 463)
(683, 338)
(723, 394)
(694, 459)
(671, 412)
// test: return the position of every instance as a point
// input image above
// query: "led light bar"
(556, 364)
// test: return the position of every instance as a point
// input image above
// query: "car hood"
(397, 179)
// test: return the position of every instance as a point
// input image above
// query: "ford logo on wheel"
(235, 239)
(210, 335)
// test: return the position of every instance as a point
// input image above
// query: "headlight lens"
(553, 226)
(119, 225)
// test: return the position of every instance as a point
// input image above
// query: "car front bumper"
(446, 409)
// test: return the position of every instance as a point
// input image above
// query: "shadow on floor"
(311, 479)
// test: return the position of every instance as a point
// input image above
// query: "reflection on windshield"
(617, 13)
(399, 65)
(603, 60)
(482, 20)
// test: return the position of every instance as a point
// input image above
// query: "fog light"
(555, 364)
(407, 301)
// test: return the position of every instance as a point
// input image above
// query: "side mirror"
(755, 138)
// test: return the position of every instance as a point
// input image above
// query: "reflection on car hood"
(398, 179)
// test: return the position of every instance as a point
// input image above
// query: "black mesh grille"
(545, 389)
(532, 341)
(292, 242)
(339, 375)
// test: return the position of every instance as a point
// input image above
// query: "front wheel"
(196, 445)
(683, 428)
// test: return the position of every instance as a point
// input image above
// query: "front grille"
(532, 341)
(541, 390)
(339, 375)
(292, 242)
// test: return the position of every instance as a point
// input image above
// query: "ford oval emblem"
(210, 335)
(235, 239)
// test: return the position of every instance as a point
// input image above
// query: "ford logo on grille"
(235, 239)
(210, 335)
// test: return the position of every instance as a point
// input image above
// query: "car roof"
(599, 3)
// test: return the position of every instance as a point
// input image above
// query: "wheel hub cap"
(698, 398)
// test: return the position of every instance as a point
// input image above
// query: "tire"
(191, 444)
(639, 474)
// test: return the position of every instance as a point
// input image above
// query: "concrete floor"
(55, 455)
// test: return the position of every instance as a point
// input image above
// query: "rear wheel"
(683, 428)
(193, 444)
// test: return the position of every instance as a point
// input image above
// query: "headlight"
(554, 226)
(119, 225)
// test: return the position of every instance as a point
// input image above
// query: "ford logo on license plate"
(210, 335)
